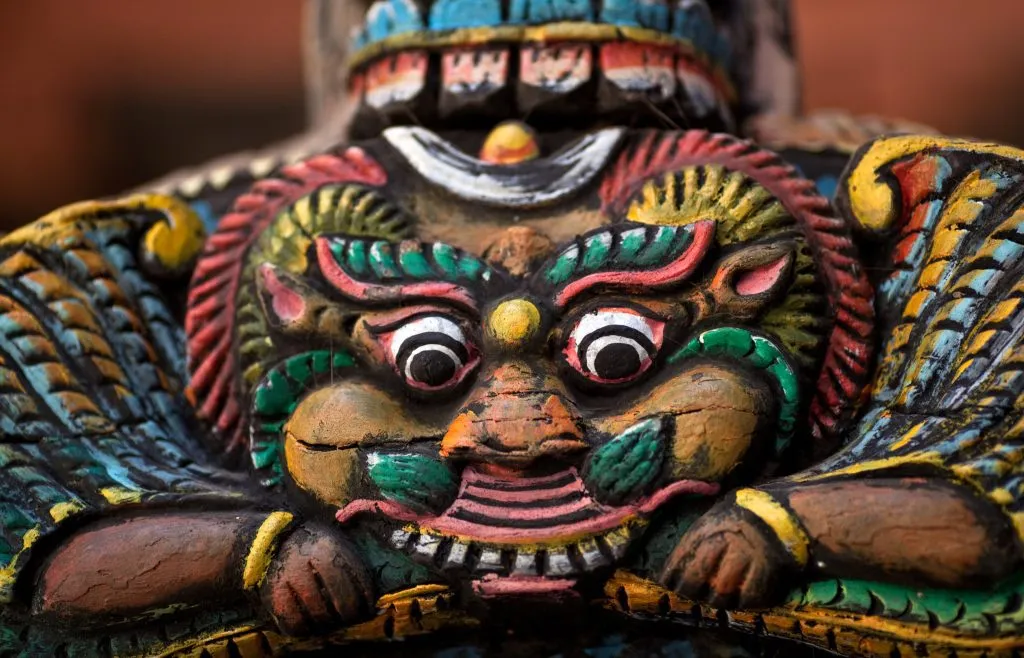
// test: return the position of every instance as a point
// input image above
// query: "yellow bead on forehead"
(514, 322)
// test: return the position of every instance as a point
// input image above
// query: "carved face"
(487, 372)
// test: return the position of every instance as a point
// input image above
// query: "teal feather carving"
(624, 468)
(419, 482)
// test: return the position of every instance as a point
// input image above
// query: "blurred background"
(101, 95)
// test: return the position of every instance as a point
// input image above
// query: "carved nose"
(515, 418)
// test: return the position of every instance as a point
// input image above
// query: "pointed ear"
(292, 306)
(751, 278)
(283, 297)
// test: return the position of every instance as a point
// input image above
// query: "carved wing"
(92, 415)
(948, 390)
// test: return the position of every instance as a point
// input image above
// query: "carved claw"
(316, 584)
(625, 467)
(728, 559)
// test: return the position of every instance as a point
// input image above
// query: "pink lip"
(598, 518)
(493, 586)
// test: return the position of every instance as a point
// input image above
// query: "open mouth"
(530, 530)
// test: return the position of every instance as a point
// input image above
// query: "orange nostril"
(459, 437)
(515, 431)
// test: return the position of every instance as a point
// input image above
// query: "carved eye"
(614, 345)
(432, 353)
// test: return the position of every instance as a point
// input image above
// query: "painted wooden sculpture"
(623, 372)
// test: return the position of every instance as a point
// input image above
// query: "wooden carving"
(602, 383)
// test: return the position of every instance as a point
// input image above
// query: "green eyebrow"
(628, 256)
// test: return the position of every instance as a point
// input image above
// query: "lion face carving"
(519, 409)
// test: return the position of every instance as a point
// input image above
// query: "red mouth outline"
(599, 518)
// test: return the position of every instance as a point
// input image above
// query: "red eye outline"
(603, 327)
(421, 335)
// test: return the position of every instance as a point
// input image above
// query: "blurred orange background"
(101, 95)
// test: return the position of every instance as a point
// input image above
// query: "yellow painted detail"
(873, 201)
(261, 552)
(121, 496)
(176, 241)
(509, 143)
(778, 518)
(514, 322)
(907, 437)
(412, 592)
(9, 574)
(61, 511)
(924, 458)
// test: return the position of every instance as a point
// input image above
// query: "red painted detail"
(560, 68)
(657, 327)
(210, 322)
(674, 272)
(850, 293)
(396, 78)
(287, 304)
(474, 69)
(500, 526)
(642, 68)
(376, 293)
(757, 281)
(492, 586)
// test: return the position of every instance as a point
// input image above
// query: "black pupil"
(432, 367)
(617, 361)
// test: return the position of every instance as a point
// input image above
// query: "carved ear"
(292, 306)
(749, 279)
(282, 296)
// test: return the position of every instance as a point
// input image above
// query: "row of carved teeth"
(481, 558)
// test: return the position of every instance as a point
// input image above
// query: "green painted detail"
(757, 352)
(630, 245)
(414, 263)
(564, 267)
(659, 248)
(996, 610)
(340, 360)
(622, 469)
(392, 570)
(469, 267)
(275, 400)
(417, 481)
(357, 261)
(273, 396)
(447, 259)
(383, 262)
(597, 251)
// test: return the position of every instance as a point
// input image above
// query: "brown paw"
(728, 559)
(316, 584)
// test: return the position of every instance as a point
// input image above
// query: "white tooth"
(592, 556)
(559, 563)
(526, 564)
(427, 545)
(618, 540)
(456, 556)
(399, 538)
(490, 560)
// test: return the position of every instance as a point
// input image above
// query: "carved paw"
(316, 584)
(728, 559)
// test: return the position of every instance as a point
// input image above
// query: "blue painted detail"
(387, 18)
(206, 215)
(827, 186)
(651, 14)
(531, 12)
(455, 14)
(693, 21)
(359, 39)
